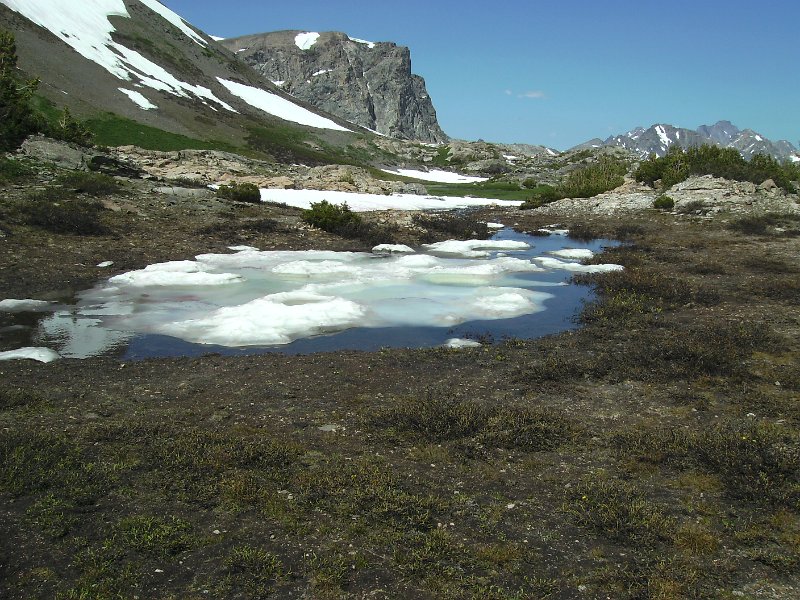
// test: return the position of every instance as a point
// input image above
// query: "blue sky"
(562, 72)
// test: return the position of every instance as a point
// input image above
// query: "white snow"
(305, 40)
(105, 263)
(759, 138)
(216, 38)
(459, 343)
(662, 134)
(88, 32)
(174, 19)
(322, 72)
(554, 153)
(510, 157)
(44, 355)
(280, 107)
(437, 176)
(794, 158)
(279, 82)
(369, 45)
(474, 248)
(572, 253)
(392, 248)
(553, 231)
(554, 263)
(13, 305)
(175, 273)
(367, 202)
(491, 225)
(138, 99)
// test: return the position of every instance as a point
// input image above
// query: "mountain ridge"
(368, 83)
(660, 137)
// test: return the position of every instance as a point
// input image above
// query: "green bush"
(678, 165)
(240, 192)
(664, 202)
(529, 183)
(602, 176)
(94, 184)
(461, 226)
(540, 195)
(68, 129)
(331, 217)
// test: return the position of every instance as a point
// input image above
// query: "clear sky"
(559, 72)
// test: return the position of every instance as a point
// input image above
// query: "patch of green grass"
(620, 513)
(499, 190)
(110, 129)
(251, 570)
(154, 536)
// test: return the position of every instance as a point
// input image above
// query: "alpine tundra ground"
(652, 453)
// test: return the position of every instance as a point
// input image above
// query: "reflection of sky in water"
(285, 300)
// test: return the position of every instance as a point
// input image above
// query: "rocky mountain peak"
(367, 83)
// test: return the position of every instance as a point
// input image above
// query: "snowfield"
(306, 40)
(280, 107)
(368, 202)
(436, 176)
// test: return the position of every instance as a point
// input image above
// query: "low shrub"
(678, 165)
(461, 226)
(339, 220)
(73, 217)
(12, 170)
(602, 176)
(664, 202)
(541, 195)
(93, 184)
(240, 192)
(529, 183)
(762, 224)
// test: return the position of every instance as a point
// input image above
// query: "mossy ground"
(653, 453)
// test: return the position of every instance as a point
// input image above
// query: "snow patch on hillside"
(369, 45)
(138, 99)
(277, 106)
(88, 32)
(174, 19)
(305, 40)
(436, 176)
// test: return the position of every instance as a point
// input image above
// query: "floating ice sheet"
(44, 355)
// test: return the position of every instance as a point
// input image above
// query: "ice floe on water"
(250, 297)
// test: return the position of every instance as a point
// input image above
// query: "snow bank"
(554, 263)
(437, 176)
(573, 253)
(44, 355)
(367, 202)
(474, 248)
(459, 343)
(280, 107)
(26, 305)
(392, 248)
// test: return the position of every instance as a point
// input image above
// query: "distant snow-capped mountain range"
(658, 139)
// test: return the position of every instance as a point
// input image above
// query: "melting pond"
(249, 301)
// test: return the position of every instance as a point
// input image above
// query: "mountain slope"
(141, 61)
(364, 82)
(659, 138)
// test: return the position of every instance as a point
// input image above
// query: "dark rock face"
(367, 83)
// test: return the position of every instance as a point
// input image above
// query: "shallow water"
(250, 302)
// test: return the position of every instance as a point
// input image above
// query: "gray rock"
(367, 84)
(62, 154)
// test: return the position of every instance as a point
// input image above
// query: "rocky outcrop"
(367, 83)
